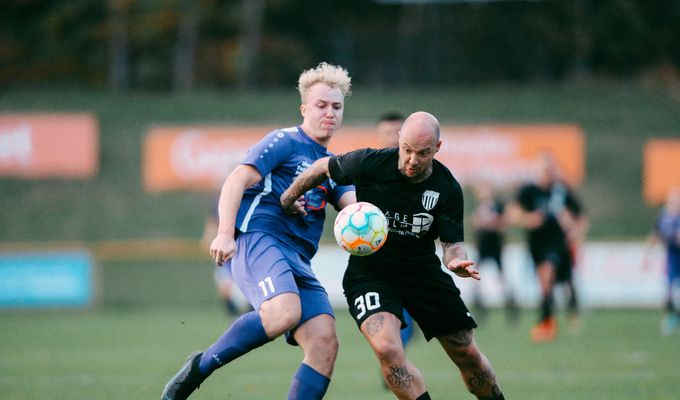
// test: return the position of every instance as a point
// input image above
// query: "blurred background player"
(554, 221)
(388, 128)
(269, 251)
(488, 222)
(224, 282)
(667, 231)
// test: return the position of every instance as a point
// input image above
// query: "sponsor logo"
(409, 225)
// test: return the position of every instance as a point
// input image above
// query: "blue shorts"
(673, 267)
(264, 268)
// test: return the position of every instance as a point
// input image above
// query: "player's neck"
(419, 178)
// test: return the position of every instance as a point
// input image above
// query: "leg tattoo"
(399, 377)
(373, 324)
(484, 378)
(460, 339)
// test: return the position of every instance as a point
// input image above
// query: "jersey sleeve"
(451, 229)
(338, 191)
(346, 169)
(269, 152)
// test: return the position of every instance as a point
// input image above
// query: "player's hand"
(534, 219)
(298, 207)
(223, 248)
(464, 269)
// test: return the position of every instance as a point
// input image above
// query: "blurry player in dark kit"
(489, 223)
(555, 224)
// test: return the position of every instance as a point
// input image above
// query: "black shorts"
(490, 246)
(558, 255)
(430, 296)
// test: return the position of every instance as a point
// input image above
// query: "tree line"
(188, 44)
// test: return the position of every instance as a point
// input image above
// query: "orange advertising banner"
(660, 169)
(506, 155)
(201, 157)
(49, 145)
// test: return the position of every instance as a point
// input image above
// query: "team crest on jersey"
(429, 199)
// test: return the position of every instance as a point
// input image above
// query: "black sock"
(546, 307)
(424, 396)
(498, 397)
(231, 307)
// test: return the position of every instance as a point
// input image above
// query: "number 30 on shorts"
(367, 302)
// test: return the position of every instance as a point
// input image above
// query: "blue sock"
(407, 332)
(307, 384)
(245, 334)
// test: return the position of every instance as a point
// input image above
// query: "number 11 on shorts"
(267, 286)
(368, 302)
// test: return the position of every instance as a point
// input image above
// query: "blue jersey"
(668, 228)
(280, 157)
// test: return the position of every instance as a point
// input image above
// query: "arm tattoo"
(374, 323)
(399, 377)
(454, 250)
(310, 178)
(462, 338)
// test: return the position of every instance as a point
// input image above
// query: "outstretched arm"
(455, 259)
(310, 178)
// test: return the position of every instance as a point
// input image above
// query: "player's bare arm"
(348, 198)
(455, 259)
(311, 177)
(223, 247)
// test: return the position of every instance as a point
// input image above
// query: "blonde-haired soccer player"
(269, 251)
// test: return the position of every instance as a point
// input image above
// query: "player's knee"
(466, 357)
(277, 324)
(387, 350)
(326, 347)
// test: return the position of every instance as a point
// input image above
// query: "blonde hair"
(332, 75)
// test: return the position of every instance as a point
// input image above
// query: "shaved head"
(422, 125)
(418, 143)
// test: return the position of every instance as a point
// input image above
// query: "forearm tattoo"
(399, 377)
(310, 178)
(454, 250)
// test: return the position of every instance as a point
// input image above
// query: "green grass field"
(152, 314)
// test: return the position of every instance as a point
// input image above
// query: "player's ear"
(439, 144)
(302, 109)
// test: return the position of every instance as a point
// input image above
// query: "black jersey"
(417, 213)
(551, 202)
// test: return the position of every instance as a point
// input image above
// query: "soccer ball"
(360, 229)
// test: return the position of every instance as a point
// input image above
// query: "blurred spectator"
(388, 128)
(488, 221)
(222, 274)
(667, 231)
(555, 223)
